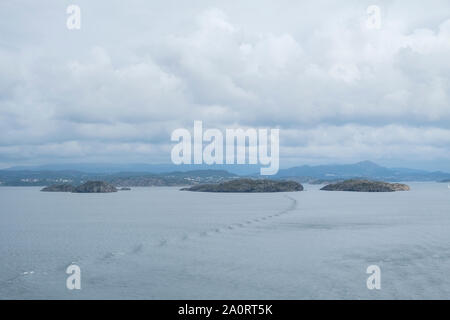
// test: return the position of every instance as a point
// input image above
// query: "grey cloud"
(136, 71)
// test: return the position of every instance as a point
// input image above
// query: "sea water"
(163, 243)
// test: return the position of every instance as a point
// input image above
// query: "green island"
(365, 186)
(87, 187)
(248, 186)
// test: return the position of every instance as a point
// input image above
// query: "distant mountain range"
(364, 169)
(171, 175)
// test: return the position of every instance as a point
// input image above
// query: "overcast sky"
(114, 90)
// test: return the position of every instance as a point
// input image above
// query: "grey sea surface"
(162, 243)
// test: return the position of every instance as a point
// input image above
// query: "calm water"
(155, 243)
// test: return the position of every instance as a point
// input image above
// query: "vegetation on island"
(87, 187)
(365, 186)
(59, 188)
(248, 185)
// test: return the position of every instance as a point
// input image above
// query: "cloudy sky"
(114, 90)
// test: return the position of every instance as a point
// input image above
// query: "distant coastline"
(323, 174)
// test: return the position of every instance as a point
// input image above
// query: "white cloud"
(336, 89)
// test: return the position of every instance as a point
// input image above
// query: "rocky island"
(95, 187)
(59, 188)
(88, 187)
(365, 186)
(248, 185)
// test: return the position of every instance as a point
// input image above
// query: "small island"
(248, 186)
(59, 188)
(88, 187)
(365, 186)
(95, 187)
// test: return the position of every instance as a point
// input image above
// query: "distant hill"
(364, 169)
(169, 179)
